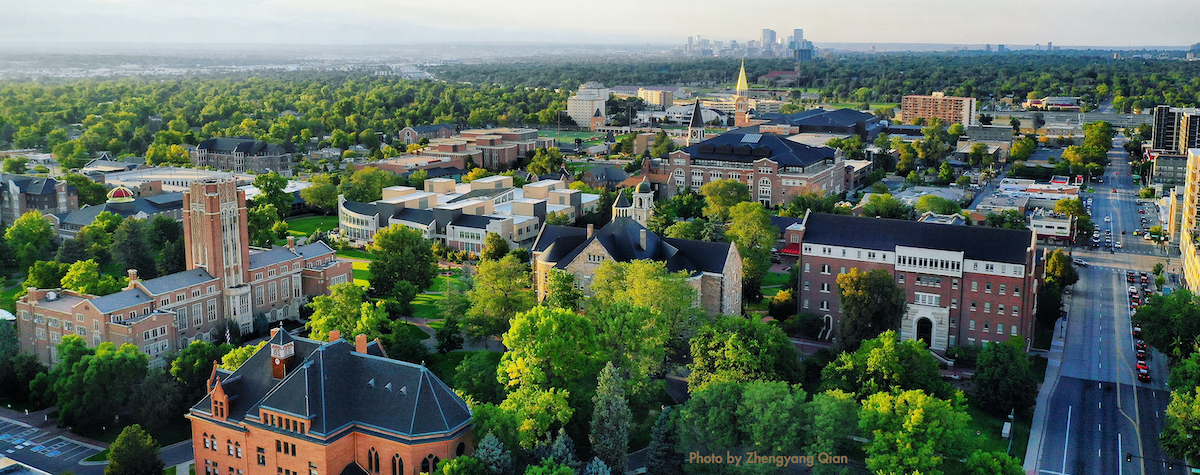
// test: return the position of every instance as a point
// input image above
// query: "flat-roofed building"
(949, 109)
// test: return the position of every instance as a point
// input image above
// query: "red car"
(1114, 190)
(1142, 366)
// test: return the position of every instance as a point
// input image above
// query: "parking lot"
(40, 448)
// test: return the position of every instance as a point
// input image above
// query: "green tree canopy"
(85, 276)
(884, 364)
(885, 206)
(134, 453)
(344, 310)
(495, 247)
(30, 237)
(611, 419)
(1171, 323)
(937, 204)
(720, 196)
(871, 304)
(402, 254)
(1059, 270)
(738, 350)
(501, 292)
(1004, 378)
(912, 431)
(130, 249)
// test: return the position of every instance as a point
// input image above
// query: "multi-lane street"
(1098, 410)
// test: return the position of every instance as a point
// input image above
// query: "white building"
(584, 104)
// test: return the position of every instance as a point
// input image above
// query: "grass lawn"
(356, 254)
(98, 457)
(571, 136)
(425, 306)
(178, 430)
(989, 432)
(774, 278)
(305, 226)
(362, 276)
(415, 331)
(8, 297)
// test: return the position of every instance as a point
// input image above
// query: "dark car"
(1129, 276)
(1141, 355)
(1144, 376)
(1137, 332)
(1140, 346)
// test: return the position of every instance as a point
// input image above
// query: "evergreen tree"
(171, 258)
(72, 251)
(661, 457)
(563, 451)
(596, 467)
(496, 458)
(130, 249)
(449, 337)
(495, 247)
(134, 453)
(610, 420)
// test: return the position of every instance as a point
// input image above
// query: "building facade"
(775, 168)
(964, 288)
(951, 110)
(1169, 169)
(1189, 220)
(242, 155)
(412, 135)
(22, 194)
(1175, 129)
(225, 281)
(301, 406)
(584, 104)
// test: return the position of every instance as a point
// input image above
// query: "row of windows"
(927, 263)
(285, 423)
(1012, 329)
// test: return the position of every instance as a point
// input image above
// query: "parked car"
(1141, 355)
(1137, 332)
(1140, 345)
(1142, 365)
(1144, 376)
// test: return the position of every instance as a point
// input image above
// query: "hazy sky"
(1064, 22)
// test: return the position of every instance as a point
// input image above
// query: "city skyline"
(355, 22)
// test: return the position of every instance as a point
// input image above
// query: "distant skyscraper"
(690, 45)
(988, 48)
(1049, 46)
(768, 38)
(798, 38)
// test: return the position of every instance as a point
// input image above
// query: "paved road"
(1098, 411)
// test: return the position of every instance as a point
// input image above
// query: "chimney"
(291, 242)
(642, 236)
(334, 335)
(590, 230)
(360, 343)
(132, 275)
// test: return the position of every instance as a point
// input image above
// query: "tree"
(15, 165)
(71, 251)
(96, 387)
(739, 350)
(495, 247)
(937, 205)
(545, 160)
(98, 236)
(721, 195)
(1070, 207)
(475, 376)
(344, 310)
(260, 220)
(496, 459)
(1008, 219)
(405, 342)
(1022, 149)
(461, 465)
(549, 467)
(751, 229)
(160, 400)
(550, 349)
(945, 173)
(401, 254)
(235, 357)
(885, 206)
(610, 420)
(45, 275)
(194, 365)
(661, 457)
(171, 259)
(802, 203)
(884, 364)
(163, 229)
(663, 145)
(30, 237)
(770, 416)
(1003, 377)
(597, 467)
(501, 292)
(85, 276)
(1180, 436)
(90, 192)
(323, 193)
(130, 249)
(270, 186)
(1171, 322)
(871, 304)
(134, 453)
(561, 291)
(366, 184)
(992, 463)
(1015, 123)
(449, 336)
(834, 420)
(1060, 271)
(475, 174)
(912, 431)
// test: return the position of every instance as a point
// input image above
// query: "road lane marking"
(1066, 439)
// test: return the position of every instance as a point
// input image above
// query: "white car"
(1117, 245)
(1107, 219)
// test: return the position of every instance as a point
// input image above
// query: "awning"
(792, 249)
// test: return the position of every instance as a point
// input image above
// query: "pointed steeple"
(743, 87)
(697, 117)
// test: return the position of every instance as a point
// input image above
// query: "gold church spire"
(743, 87)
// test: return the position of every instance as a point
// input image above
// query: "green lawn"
(989, 432)
(305, 226)
(98, 456)
(774, 278)
(170, 470)
(571, 136)
(356, 254)
(415, 331)
(425, 306)
(8, 297)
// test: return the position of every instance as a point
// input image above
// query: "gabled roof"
(621, 238)
(418, 216)
(276, 255)
(149, 205)
(336, 387)
(176, 281)
(32, 185)
(121, 300)
(622, 201)
(313, 250)
(744, 147)
(243, 145)
(472, 221)
(820, 118)
(975, 242)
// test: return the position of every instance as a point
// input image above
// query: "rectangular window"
(900, 278)
(806, 269)
(1002, 286)
(987, 307)
(1000, 309)
(988, 288)
(258, 295)
(954, 284)
(1016, 310)
(1012, 330)
(1000, 328)
(1016, 291)
(985, 326)
(974, 286)
(806, 285)
(953, 303)
(971, 324)
(212, 310)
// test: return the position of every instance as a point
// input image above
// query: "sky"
(1118, 23)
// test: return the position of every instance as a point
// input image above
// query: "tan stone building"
(951, 110)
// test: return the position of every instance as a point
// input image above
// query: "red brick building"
(305, 407)
(225, 279)
(965, 285)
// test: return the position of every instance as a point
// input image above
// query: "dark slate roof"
(421, 129)
(243, 145)
(32, 185)
(820, 118)
(367, 209)
(782, 223)
(422, 216)
(697, 120)
(316, 249)
(176, 281)
(608, 173)
(161, 203)
(622, 201)
(352, 468)
(166, 200)
(622, 239)
(337, 387)
(276, 255)
(558, 241)
(976, 242)
(472, 221)
(751, 147)
(120, 300)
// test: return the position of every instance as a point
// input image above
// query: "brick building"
(775, 168)
(22, 194)
(225, 280)
(950, 109)
(242, 155)
(327, 408)
(411, 135)
(123, 203)
(715, 268)
(965, 286)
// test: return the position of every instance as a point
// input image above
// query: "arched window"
(430, 463)
(764, 181)
(461, 449)
(397, 465)
(373, 460)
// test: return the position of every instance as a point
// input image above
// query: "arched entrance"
(925, 330)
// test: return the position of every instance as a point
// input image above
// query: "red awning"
(792, 249)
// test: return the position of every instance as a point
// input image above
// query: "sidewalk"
(1037, 431)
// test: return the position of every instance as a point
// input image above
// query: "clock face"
(276, 360)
